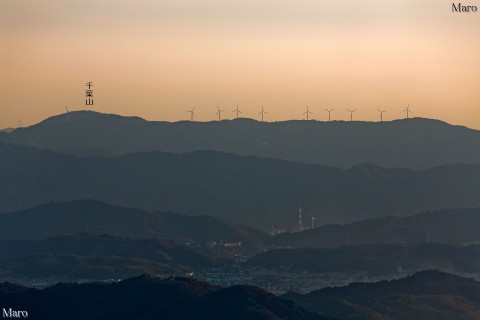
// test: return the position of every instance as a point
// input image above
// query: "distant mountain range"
(254, 191)
(414, 143)
(384, 260)
(65, 218)
(87, 256)
(424, 296)
(452, 227)
(148, 298)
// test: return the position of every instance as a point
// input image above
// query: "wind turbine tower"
(219, 112)
(68, 114)
(192, 113)
(407, 111)
(20, 123)
(262, 113)
(351, 113)
(237, 111)
(381, 114)
(329, 111)
(307, 112)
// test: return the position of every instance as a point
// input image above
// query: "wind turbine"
(407, 111)
(20, 123)
(68, 114)
(237, 111)
(192, 114)
(219, 112)
(262, 113)
(351, 113)
(381, 114)
(329, 113)
(307, 112)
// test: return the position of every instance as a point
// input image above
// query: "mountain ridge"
(425, 295)
(416, 143)
(146, 297)
(65, 218)
(457, 226)
(90, 256)
(246, 189)
(386, 260)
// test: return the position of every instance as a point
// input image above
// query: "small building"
(232, 244)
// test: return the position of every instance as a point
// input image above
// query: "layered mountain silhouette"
(385, 260)
(254, 191)
(146, 297)
(411, 143)
(87, 256)
(453, 227)
(65, 218)
(423, 296)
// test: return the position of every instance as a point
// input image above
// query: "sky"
(157, 59)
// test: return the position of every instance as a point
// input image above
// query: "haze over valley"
(243, 160)
(230, 207)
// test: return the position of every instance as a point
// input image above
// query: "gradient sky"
(156, 59)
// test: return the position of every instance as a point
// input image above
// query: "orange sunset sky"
(156, 59)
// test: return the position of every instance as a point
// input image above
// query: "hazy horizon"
(157, 59)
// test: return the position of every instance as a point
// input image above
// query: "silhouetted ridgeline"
(258, 192)
(454, 227)
(87, 256)
(424, 296)
(63, 218)
(413, 143)
(373, 259)
(151, 298)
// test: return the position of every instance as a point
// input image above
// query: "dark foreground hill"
(64, 218)
(258, 192)
(424, 296)
(453, 227)
(385, 260)
(86, 256)
(413, 143)
(150, 298)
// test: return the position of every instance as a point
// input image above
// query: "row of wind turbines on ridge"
(306, 113)
(262, 113)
